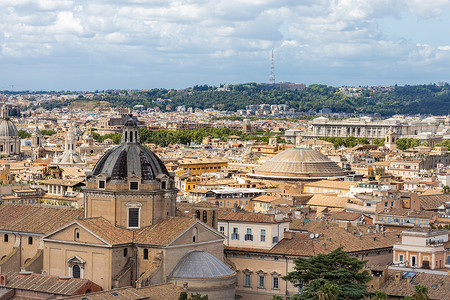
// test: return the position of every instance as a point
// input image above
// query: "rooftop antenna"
(272, 71)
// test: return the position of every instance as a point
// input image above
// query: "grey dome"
(7, 128)
(130, 159)
(299, 163)
(200, 264)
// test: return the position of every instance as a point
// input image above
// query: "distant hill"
(416, 99)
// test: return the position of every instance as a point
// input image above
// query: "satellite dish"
(317, 235)
(311, 236)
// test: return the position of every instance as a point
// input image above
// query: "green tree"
(183, 296)
(379, 295)
(48, 132)
(337, 267)
(24, 135)
(406, 143)
(198, 297)
(420, 293)
(276, 297)
(446, 189)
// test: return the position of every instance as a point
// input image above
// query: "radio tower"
(272, 71)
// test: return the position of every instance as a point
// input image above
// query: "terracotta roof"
(109, 233)
(44, 283)
(63, 182)
(331, 184)
(408, 213)
(35, 219)
(266, 198)
(438, 285)
(328, 201)
(432, 202)
(166, 291)
(344, 216)
(163, 232)
(333, 238)
(243, 216)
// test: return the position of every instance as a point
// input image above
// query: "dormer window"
(134, 185)
(163, 185)
(101, 184)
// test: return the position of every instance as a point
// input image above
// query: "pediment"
(68, 234)
(203, 231)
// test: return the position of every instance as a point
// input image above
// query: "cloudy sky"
(101, 44)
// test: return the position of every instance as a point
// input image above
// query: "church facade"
(132, 234)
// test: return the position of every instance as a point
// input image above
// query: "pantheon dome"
(298, 164)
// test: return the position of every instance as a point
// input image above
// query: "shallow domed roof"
(299, 163)
(7, 128)
(130, 158)
(200, 264)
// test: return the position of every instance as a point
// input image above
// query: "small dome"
(200, 264)
(298, 163)
(7, 128)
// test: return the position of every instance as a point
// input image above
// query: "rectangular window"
(448, 260)
(275, 283)
(275, 239)
(246, 279)
(261, 281)
(133, 217)
(263, 235)
(134, 185)
(145, 254)
(222, 229)
(5, 238)
(400, 258)
(101, 184)
(30, 240)
(235, 234)
(249, 236)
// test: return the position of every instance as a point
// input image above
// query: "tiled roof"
(344, 216)
(166, 291)
(109, 233)
(163, 232)
(266, 198)
(35, 219)
(408, 213)
(331, 184)
(438, 285)
(242, 216)
(328, 201)
(332, 238)
(432, 202)
(44, 283)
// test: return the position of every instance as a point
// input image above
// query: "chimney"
(24, 273)
(64, 278)
(289, 235)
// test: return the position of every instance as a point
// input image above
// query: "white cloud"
(176, 35)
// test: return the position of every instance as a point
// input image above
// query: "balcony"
(248, 237)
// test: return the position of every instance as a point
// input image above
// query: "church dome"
(297, 164)
(130, 158)
(200, 264)
(7, 128)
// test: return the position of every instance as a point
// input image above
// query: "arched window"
(205, 216)
(76, 234)
(197, 214)
(194, 235)
(76, 271)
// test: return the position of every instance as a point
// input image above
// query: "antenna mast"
(272, 71)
